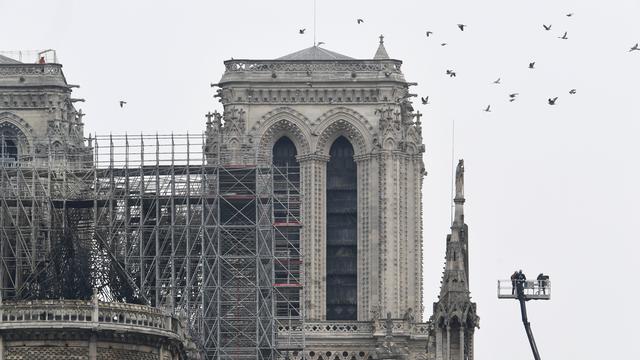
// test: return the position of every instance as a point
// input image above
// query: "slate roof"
(8, 60)
(315, 53)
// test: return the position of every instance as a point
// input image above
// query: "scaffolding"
(158, 224)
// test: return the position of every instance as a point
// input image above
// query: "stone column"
(414, 233)
(368, 239)
(461, 342)
(393, 296)
(448, 347)
(439, 347)
(470, 340)
(93, 347)
(313, 168)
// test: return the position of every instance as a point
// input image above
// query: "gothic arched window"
(286, 211)
(342, 201)
(9, 147)
(284, 153)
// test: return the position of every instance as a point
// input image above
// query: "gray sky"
(549, 188)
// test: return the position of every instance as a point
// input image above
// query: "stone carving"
(275, 131)
(283, 111)
(409, 316)
(393, 66)
(460, 179)
(347, 112)
(212, 136)
(30, 69)
(339, 122)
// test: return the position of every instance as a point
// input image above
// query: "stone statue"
(409, 316)
(460, 179)
(389, 324)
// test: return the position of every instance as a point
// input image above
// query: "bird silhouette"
(425, 100)
(546, 27)
(513, 95)
(563, 37)
(532, 65)
(122, 103)
(572, 91)
(634, 48)
(301, 31)
(451, 73)
(552, 101)
(462, 26)
(488, 108)
(429, 33)
(497, 81)
(360, 21)
(443, 44)
(569, 14)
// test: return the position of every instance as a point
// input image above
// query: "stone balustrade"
(312, 66)
(364, 329)
(88, 314)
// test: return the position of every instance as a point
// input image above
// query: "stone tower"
(38, 120)
(349, 125)
(454, 316)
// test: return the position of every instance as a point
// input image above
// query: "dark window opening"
(9, 151)
(342, 274)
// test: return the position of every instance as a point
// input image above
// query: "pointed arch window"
(342, 275)
(286, 210)
(9, 148)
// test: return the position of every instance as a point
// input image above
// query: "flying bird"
(462, 26)
(512, 97)
(532, 65)
(429, 33)
(546, 27)
(443, 44)
(572, 91)
(425, 100)
(301, 31)
(360, 21)
(497, 81)
(563, 37)
(451, 73)
(569, 14)
(122, 103)
(552, 101)
(634, 48)
(488, 108)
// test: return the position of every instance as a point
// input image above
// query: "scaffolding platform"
(219, 245)
(533, 289)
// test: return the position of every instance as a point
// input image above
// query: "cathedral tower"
(349, 126)
(359, 147)
(38, 120)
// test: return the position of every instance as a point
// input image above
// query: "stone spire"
(454, 316)
(381, 53)
(456, 271)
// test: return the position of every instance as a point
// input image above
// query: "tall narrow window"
(8, 148)
(342, 275)
(286, 242)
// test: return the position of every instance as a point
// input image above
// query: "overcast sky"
(549, 188)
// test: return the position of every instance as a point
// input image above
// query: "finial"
(381, 39)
